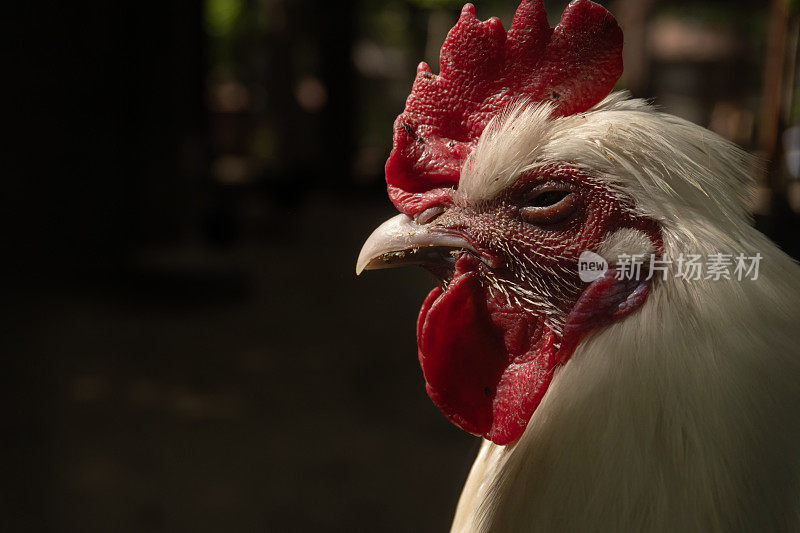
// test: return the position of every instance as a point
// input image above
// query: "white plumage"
(683, 416)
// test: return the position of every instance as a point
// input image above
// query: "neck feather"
(682, 416)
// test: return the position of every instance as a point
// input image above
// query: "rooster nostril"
(429, 215)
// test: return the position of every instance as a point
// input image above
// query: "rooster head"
(494, 199)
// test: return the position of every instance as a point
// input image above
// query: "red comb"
(483, 69)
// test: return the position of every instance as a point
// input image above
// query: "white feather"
(685, 415)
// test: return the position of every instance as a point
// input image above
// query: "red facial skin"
(488, 361)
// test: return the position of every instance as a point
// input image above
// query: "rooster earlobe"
(604, 301)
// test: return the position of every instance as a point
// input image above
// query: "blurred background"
(187, 187)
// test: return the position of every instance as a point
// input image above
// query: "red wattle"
(486, 364)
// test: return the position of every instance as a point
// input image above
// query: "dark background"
(187, 186)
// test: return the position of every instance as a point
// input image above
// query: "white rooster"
(660, 400)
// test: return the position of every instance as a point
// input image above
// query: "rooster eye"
(548, 198)
(549, 207)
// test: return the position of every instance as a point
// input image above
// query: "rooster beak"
(402, 241)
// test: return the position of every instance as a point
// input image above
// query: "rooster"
(640, 401)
